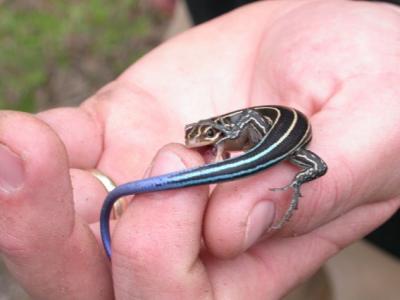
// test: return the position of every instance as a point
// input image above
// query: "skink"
(266, 134)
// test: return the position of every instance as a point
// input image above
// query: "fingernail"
(166, 162)
(11, 170)
(259, 220)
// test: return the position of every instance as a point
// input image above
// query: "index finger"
(80, 132)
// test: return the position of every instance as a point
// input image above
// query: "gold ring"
(119, 206)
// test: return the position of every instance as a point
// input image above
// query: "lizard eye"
(210, 133)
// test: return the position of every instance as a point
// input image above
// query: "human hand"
(334, 61)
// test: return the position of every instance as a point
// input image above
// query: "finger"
(278, 258)
(267, 267)
(157, 241)
(131, 130)
(50, 251)
(88, 194)
(81, 133)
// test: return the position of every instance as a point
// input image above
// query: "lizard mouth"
(197, 144)
(206, 151)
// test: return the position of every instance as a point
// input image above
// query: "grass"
(39, 42)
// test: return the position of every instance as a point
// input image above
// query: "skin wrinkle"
(174, 283)
(336, 207)
(72, 229)
(201, 28)
(345, 166)
(135, 89)
(312, 242)
(71, 245)
(387, 186)
(222, 282)
(252, 253)
(389, 129)
(93, 114)
(60, 150)
(334, 245)
(103, 110)
(253, 72)
(338, 80)
(123, 265)
(13, 247)
(264, 36)
(213, 286)
(328, 207)
(322, 234)
(346, 175)
(58, 119)
(345, 204)
(273, 274)
(22, 249)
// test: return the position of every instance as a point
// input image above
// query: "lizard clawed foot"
(292, 206)
(293, 185)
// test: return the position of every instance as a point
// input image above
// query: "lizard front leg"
(247, 131)
(220, 152)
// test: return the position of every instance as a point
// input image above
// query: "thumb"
(46, 247)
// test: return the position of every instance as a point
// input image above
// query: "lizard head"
(203, 133)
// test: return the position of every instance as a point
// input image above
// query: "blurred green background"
(55, 53)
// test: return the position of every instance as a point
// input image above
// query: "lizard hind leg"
(312, 168)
